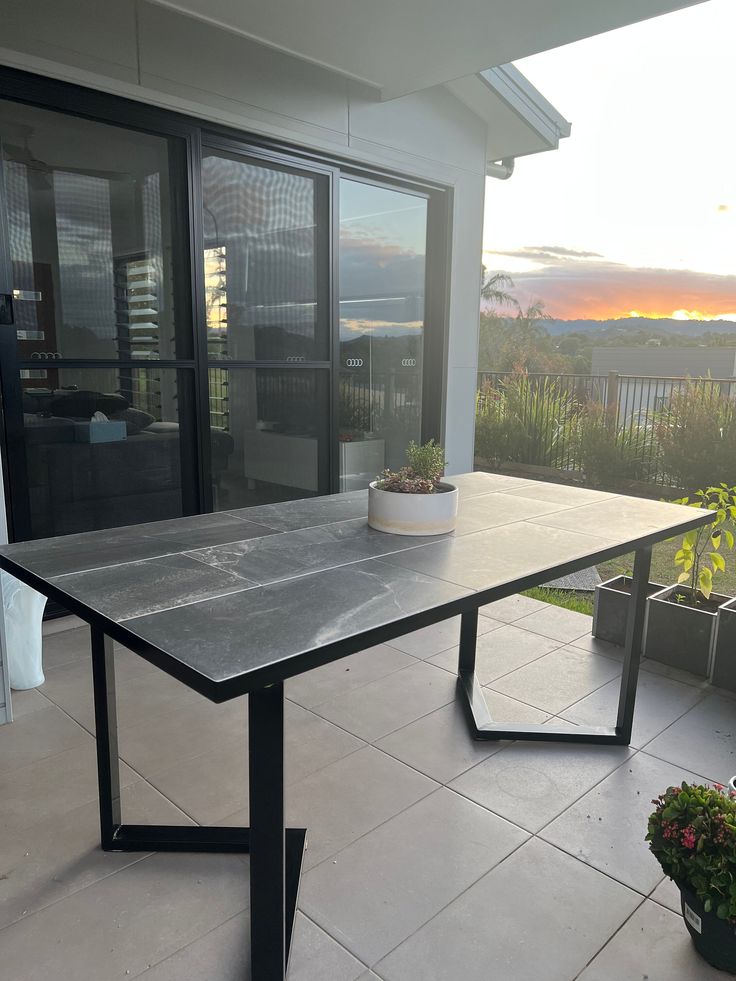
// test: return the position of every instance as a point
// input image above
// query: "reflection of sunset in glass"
(637, 226)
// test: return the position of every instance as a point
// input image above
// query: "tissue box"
(111, 431)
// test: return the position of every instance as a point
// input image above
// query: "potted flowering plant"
(681, 619)
(692, 834)
(414, 500)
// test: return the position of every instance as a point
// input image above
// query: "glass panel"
(383, 236)
(83, 476)
(89, 217)
(265, 262)
(270, 434)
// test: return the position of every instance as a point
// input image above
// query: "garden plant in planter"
(681, 618)
(692, 834)
(414, 500)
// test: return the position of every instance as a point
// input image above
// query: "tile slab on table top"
(229, 602)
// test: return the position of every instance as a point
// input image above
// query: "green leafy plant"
(547, 410)
(500, 436)
(425, 467)
(696, 431)
(701, 554)
(609, 453)
(692, 834)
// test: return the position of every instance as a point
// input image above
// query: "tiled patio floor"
(431, 857)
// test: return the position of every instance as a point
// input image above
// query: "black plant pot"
(714, 939)
(679, 634)
(724, 657)
(611, 608)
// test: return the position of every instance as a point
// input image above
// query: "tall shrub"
(610, 454)
(500, 436)
(547, 412)
(696, 432)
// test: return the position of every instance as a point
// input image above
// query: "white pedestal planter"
(413, 514)
(23, 609)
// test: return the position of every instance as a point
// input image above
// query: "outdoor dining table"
(237, 602)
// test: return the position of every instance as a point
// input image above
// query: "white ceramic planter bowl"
(413, 514)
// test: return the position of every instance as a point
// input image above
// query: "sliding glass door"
(189, 322)
(102, 327)
(383, 235)
(267, 292)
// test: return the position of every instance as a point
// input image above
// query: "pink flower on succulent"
(689, 838)
(719, 786)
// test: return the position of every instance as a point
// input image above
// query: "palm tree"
(495, 288)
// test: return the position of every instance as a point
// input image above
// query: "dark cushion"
(83, 405)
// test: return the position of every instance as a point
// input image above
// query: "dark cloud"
(545, 253)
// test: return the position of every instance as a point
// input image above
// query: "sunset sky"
(635, 214)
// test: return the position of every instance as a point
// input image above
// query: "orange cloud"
(577, 287)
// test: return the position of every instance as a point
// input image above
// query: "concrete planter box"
(724, 647)
(413, 514)
(610, 608)
(680, 635)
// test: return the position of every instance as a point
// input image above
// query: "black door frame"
(65, 97)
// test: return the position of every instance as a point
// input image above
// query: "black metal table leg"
(267, 837)
(480, 721)
(108, 766)
(276, 852)
(636, 616)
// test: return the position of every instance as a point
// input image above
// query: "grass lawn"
(579, 602)
(664, 569)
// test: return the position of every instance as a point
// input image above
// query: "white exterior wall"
(153, 54)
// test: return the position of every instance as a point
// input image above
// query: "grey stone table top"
(232, 601)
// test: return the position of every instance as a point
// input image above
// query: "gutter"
(509, 85)
(500, 169)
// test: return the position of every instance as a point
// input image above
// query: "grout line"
(614, 934)
(327, 933)
(461, 893)
(140, 857)
(190, 943)
(355, 688)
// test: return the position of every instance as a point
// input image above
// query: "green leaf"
(690, 538)
(729, 537)
(683, 577)
(718, 561)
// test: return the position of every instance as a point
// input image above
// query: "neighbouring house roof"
(665, 362)
(402, 46)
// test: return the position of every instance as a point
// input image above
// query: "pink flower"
(688, 837)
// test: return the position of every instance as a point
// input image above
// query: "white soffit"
(401, 46)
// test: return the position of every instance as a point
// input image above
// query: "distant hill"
(666, 326)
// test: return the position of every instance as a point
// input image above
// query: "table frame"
(276, 852)
(480, 721)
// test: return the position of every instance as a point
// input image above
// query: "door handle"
(34, 295)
